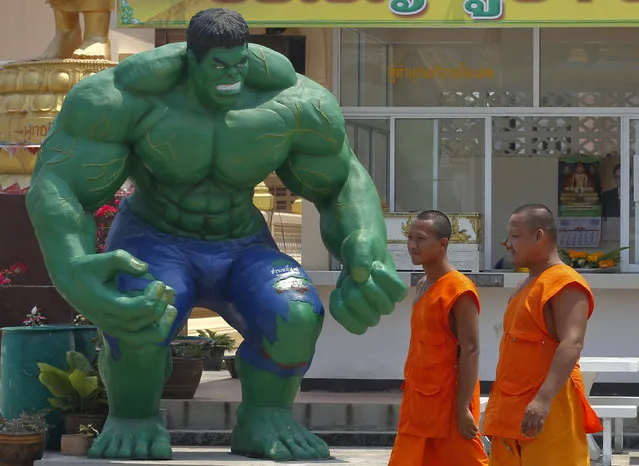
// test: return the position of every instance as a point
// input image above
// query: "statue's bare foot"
(96, 48)
(63, 45)
(274, 434)
(133, 438)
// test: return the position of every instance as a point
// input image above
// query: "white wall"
(381, 352)
(27, 27)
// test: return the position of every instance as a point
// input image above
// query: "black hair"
(215, 27)
(441, 222)
(539, 217)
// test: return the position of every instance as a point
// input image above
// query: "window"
(436, 67)
(565, 163)
(439, 165)
(370, 142)
(589, 67)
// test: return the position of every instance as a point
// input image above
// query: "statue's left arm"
(323, 169)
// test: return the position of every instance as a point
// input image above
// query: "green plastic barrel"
(84, 336)
(22, 349)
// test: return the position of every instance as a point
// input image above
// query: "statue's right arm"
(83, 161)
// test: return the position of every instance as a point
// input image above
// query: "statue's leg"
(283, 317)
(134, 374)
(68, 35)
(96, 43)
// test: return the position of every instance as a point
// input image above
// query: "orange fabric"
(454, 450)
(427, 432)
(562, 441)
(525, 355)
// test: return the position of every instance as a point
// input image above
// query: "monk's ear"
(539, 236)
(444, 243)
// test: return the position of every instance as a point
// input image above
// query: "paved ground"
(216, 456)
(623, 460)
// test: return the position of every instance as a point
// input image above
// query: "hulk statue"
(196, 127)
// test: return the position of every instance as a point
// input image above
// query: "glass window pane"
(437, 67)
(414, 144)
(614, 199)
(589, 67)
(369, 140)
(349, 69)
(439, 165)
(455, 184)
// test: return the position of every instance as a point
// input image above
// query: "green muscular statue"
(197, 127)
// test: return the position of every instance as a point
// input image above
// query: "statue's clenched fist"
(368, 287)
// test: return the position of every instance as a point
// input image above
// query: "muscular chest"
(240, 147)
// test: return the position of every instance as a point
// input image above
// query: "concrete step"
(333, 438)
(332, 417)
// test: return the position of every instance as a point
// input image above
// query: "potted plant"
(35, 318)
(22, 439)
(78, 392)
(220, 343)
(80, 443)
(23, 347)
(188, 363)
(87, 339)
(229, 365)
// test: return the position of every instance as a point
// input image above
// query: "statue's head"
(217, 52)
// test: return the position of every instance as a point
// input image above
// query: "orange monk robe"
(427, 432)
(525, 354)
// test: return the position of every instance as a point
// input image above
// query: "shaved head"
(539, 217)
(441, 224)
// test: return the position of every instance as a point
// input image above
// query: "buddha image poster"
(579, 187)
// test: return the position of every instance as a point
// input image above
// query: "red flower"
(4, 280)
(19, 268)
(106, 210)
(117, 202)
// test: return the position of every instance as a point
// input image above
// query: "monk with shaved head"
(538, 414)
(440, 410)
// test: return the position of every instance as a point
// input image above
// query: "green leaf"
(614, 255)
(83, 384)
(56, 380)
(61, 403)
(78, 361)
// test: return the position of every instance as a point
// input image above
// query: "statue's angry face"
(219, 77)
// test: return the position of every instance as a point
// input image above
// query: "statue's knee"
(304, 317)
(296, 335)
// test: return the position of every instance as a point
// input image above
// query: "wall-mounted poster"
(579, 187)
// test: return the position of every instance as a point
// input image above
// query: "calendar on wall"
(579, 232)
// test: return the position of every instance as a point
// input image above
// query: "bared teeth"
(229, 87)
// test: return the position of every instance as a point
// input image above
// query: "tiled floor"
(196, 456)
(629, 459)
